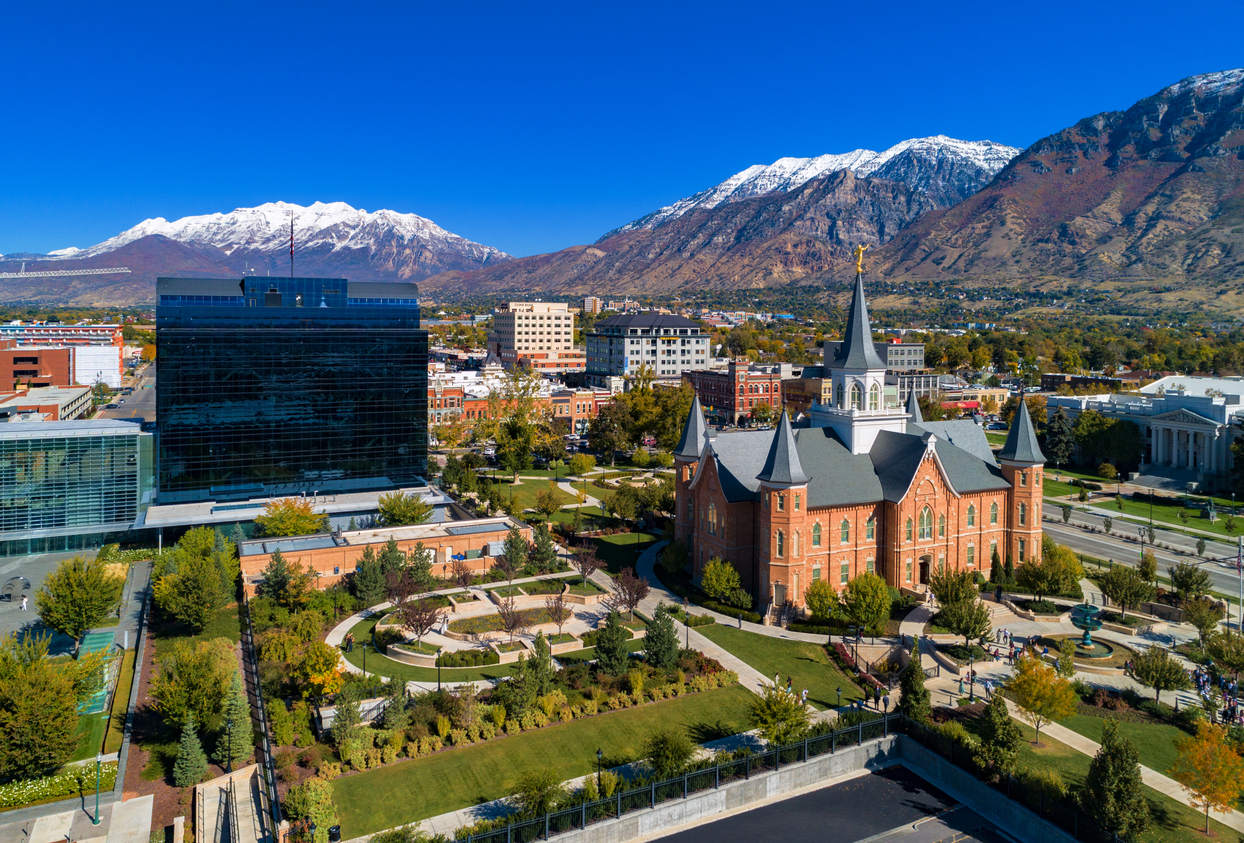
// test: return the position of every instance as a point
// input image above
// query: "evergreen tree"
(661, 641)
(191, 763)
(236, 732)
(540, 669)
(515, 551)
(1009, 571)
(239, 536)
(392, 559)
(276, 577)
(347, 719)
(1000, 737)
(419, 568)
(611, 652)
(1059, 438)
(995, 569)
(368, 583)
(544, 553)
(395, 714)
(353, 525)
(914, 702)
(1113, 791)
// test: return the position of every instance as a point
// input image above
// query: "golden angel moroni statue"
(859, 258)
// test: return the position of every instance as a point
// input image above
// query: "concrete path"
(120, 822)
(574, 492)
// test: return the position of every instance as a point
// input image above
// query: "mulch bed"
(169, 801)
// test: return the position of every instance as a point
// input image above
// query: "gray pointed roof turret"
(857, 351)
(694, 432)
(1021, 441)
(782, 466)
(913, 408)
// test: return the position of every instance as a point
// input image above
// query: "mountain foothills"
(331, 239)
(1146, 205)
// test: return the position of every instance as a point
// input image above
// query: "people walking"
(25, 600)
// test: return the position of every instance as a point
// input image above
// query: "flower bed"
(845, 660)
(545, 587)
(1040, 607)
(70, 782)
(492, 622)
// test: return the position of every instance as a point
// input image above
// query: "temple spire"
(782, 466)
(857, 351)
(1021, 440)
(694, 433)
(913, 408)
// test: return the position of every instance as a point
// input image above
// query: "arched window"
(870, 528)
(841, 404)
(794, 543)
(941, 526)
(712, 519)
(1023, 514)
(874, 397)
(781, 543)
(993, 513)
(926, 523)
(816, 534)
(971, 516)
(908, 529)
(845, 531)
(857, 397)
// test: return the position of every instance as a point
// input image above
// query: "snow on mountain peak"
(786, 174)
(1219, 82)
(265, 228)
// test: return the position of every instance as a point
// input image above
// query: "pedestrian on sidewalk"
(25, 600)
(803, 698)
(876, 697)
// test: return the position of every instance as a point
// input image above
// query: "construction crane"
(63, 272)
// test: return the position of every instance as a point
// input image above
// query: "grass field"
(524, 494)
(808, 665)
(90, 735)
(995, 437)
(120, 702)
(621, 550)
(633, 646)
(1174, 822)
(456, 778)
(224, 625)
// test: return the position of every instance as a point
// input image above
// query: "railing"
(269, 763)
(656, 793)
(235, 824)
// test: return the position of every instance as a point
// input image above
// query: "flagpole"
(1239, 574)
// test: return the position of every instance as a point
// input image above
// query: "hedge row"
(589, 638)
(71, 782)
(474, 657)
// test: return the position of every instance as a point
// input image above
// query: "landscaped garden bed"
(493, 623)
(1039, 607)
(540, 587)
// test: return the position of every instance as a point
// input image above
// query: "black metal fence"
(268, 764)
(1062, 813)
(655, 793)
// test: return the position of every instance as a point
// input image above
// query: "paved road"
(140, 404)
(895, 797)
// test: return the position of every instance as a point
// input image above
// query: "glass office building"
(283, 386)
(71, 485)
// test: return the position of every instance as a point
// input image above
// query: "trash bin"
(334, 834)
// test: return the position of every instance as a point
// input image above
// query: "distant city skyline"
(528, 129)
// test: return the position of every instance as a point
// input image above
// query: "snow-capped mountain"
(320, 227)
(947, 169)
(330, 240)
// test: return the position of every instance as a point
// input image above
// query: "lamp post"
(365, 645)
(686, 608)
(99, 760)
(840, 696)
(1142, 532)
(972, 676)
(599, 755)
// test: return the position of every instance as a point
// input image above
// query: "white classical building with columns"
(1187, 424)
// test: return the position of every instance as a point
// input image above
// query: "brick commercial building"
(535, 334)
(733, 395)
(97, 356)
(34, 365)
(53, 403)
(861, 485)
(334, 556)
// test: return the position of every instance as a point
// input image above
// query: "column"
(1158, 436)
(1191, 439)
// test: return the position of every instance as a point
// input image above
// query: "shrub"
(68, 783)
(474, 657)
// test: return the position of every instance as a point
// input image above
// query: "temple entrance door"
(926, 562)
(779, 594)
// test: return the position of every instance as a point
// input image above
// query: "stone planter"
(406, 656)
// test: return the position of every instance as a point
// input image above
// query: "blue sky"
(528, 126)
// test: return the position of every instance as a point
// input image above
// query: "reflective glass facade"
(273, 386)
(71, 485)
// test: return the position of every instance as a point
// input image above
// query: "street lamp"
(686, 608)
(840, 696)
(365, 645)
(99, 760)
(972, 676)
(1142, 532)
(599, 755)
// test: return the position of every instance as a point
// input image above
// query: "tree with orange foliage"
(1041, 694)
(1209, 768)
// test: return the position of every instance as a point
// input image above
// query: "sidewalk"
(119, 822)
(1162, 784)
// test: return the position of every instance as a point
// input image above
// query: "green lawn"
(808, 665)
(224, 625)
(592, 517)
(386, 666)
(1174, 822)
(455, 778)
(120, 702)
(586, 655)
(995, 438)
(90, 735)
(524, 494)
(621, 550)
